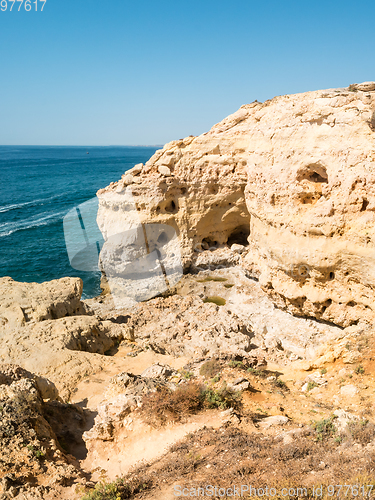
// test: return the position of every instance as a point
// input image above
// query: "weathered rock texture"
(293, 178)
(25, 302)
(32, 461)
(45, 330)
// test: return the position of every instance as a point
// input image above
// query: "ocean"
(39, 185)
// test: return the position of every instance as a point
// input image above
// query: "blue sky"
(90, 72)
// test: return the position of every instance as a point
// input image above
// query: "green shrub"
(186, 374)
(323, 371)
(359, 370)
(222, 398)
(257, 373)
(118, 490)
(324, 428)
(311, 385)
(236, 364)
(281, 384)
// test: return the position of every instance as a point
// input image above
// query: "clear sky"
(105, 72)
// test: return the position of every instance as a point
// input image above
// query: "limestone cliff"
(291, 178)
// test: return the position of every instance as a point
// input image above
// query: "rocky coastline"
(268, 334)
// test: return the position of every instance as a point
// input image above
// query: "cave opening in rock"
(171, 207)
(208, 243)
(314, 173)
(239, 236)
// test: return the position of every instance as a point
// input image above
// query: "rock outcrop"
(292, 179)
(29, 302)
(47, 332)
(32, 461)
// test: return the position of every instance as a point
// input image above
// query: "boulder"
(22, 303)
(164, 170)
(349, 390)
(275, 420)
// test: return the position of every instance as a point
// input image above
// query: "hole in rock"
(309, 198)
(239, 235)
(364, 205)
(331, 275)
(208, 243)
(171, 207)
(313, 173)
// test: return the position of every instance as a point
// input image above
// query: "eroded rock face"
(63, 350)
(124, 394)
(32, 462)
(293, 178)
(25, 302)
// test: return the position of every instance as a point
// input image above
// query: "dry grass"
(230, 456)
(167, 405)
(210, 368)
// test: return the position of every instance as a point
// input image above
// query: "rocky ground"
(73, 389)
(255, 368)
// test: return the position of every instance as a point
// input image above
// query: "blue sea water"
(39, 185)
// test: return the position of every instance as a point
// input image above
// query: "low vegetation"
(210, 368)
(212, 278)
(229, 456)
(311, 385)
(359, 370)
(167, 405)
(324, 429)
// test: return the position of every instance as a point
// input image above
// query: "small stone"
(316, 378)
(240, 384)
(342, 372)
(136, 170)
(164, 170)
(157, 370)
(274, 420)
(349, 390)
(237, 248)
(127, 179)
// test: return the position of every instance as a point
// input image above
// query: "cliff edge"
(291, 180)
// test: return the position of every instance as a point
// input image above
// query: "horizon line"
(80, 145)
